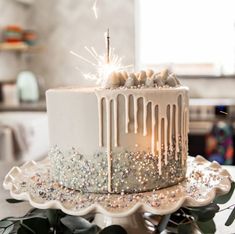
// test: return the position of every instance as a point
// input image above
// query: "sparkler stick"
(107, 47)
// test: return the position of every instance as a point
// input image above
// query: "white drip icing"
(145, 106)
(109, 156)
(100, 112)
(176, 132)
(165, 141)
(115, 119)
(170, 126)
(127, 112)
(153, 129)
(166, 119)
(135, 99)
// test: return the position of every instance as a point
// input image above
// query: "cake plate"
(204, 181)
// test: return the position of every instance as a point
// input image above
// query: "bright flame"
(94, 8)
(103, 69)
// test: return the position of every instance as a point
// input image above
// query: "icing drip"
(135, 99)
(186, 131)
(145, 106)
(170, 126)
(109, 156)
(115, 111)
(100, 112)
(153, 129)
(127, 112)
(165, 124)
(160, 145)
(176, 133)
(169, 119)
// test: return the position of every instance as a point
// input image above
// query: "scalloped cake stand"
(204, 181)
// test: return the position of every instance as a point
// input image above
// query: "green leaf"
(6, 227)
(225, 198)
(204, 213)
(207, 227)
(185, 228)
(231, 218)
(30, 216)
(25, 229)
(38, 225)
(163, 223)
(11, 200)
(52, 216)
(113, 229)
(79, 225)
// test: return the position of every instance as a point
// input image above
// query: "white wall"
(11, 12)
(210, 87)
(71, 25)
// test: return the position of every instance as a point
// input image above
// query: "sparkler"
(104, 64)
(107, 46)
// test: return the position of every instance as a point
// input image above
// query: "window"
(189, 36)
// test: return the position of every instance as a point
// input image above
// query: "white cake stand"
(32, 182)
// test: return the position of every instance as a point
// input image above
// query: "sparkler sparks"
(104, 64)
(94, 8)
(99, 62)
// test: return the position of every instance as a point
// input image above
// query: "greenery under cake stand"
(190, 204)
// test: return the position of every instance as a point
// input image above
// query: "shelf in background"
(19, 47)
(24, 106)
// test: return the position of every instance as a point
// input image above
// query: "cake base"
(32, 182)
(204, 181)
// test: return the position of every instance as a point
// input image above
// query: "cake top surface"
(118, 90)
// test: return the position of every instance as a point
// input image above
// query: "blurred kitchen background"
(194, 39)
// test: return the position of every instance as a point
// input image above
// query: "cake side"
(108, 140)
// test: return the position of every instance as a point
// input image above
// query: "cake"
(129, 135)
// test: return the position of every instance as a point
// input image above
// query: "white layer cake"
(118, 139)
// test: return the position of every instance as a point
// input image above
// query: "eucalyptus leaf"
(231, 218)
(52, 216)
(113, 229)
(38, 225)
(163, 223)
(185, 228)
(79, 225)
(22, 230)
(207, 227)
(204, 213)
(26, 229)
(6, 227)
(225, 198)
(11, 200)
(30, 216)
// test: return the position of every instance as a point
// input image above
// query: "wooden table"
(20, 209)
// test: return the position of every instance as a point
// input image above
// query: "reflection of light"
(102, 68)
(223, 112)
